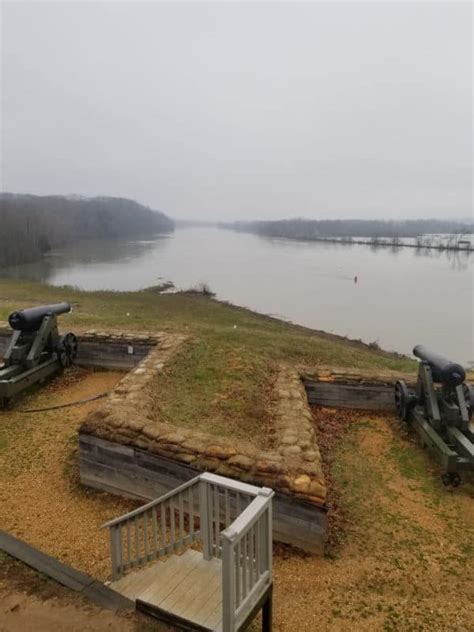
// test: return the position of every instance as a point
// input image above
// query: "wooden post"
(205, 520)
(228, 585)
(116, 551)
(267, 611)
(269, 540)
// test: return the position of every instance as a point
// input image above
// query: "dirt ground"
(41, 500)
(403, 558)
(30, 602)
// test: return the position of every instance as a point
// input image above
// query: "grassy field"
(227, 370)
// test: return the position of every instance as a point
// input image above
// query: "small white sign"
(130, 350)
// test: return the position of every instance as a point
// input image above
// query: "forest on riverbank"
(31, 225)
(377, 232)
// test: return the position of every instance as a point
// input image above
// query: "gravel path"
(40, 498)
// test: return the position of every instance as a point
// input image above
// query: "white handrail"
(143, 535)
(247, 518)
(229, 483)
(152, 503)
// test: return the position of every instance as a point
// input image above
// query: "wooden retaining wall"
(356, 396)
(132, 472)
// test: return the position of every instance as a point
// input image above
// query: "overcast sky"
(242, 111)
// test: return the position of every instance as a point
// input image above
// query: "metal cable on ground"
(75, 403)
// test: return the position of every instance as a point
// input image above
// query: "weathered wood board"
(111, 355)
(131, 472)
(73, 579)
(356, 396)
(180, 589)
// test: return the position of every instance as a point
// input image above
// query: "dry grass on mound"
(221, 391)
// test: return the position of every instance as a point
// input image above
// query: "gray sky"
(242, 111)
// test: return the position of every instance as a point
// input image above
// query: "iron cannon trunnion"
(440, 416)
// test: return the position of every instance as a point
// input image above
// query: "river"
(402, 296)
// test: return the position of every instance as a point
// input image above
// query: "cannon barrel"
(443, 371)
(29, 320)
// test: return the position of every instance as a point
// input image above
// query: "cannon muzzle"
(30, 320)
(443, 371)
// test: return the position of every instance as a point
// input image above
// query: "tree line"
(309, 229)
(31, 225)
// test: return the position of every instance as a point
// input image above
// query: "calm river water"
(401, 297)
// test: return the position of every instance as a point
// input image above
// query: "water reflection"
(403, 296)
(86, 254)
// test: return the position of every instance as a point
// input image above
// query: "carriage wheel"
(67, 349)
(402, 399)
(451, 479)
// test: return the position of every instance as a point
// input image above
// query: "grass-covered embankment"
(223, 378)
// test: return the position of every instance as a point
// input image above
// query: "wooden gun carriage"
(36, 350)
(440, 416)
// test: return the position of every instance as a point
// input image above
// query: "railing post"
(266, 531)
(116, 551)
(270, 539)
(205, 520)
(228, 585)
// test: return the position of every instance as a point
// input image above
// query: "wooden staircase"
(220, 583)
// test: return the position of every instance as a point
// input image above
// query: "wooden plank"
(165, 582)
(182, 533)
(174, 621)
(163, 525)
(250, 537)
(229, 483)
(357, 396)
(208, 590)
(210, 614)
(191, 510)
(110, 355)
(190, 589)
(136, 582)
(217, 531)
(66, 575)
(106, 597)
(299, 523)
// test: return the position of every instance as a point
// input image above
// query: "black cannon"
(36, 350)
(441, 416)
(28, 320)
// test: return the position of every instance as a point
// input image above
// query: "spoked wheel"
(451, 479)
(403, 399)
(67, 349)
